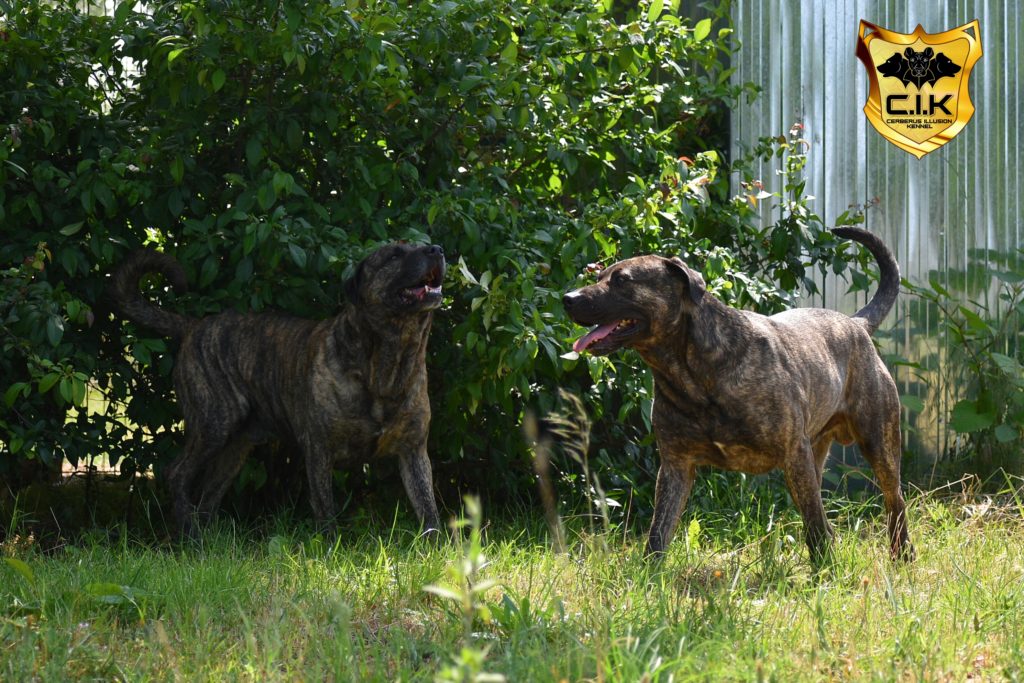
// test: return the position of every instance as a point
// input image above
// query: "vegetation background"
(268, 145)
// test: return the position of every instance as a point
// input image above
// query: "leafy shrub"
(979, 361)
(268, 145)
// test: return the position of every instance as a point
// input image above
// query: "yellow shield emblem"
(918, 98)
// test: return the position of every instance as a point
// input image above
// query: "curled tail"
(888, 280)
(124, 291)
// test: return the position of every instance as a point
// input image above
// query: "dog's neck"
(694, 348)
(394, 355)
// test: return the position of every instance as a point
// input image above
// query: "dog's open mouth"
(606, 338)
(428, 288)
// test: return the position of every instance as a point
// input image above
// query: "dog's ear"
(692, 279)
(928, 52)
(909, 53)
(354, 284)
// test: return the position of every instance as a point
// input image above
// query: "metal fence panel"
(934, 212)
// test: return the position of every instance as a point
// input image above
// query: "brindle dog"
(345, 390)
(742, 391)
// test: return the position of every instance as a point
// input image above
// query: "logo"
(918, 97)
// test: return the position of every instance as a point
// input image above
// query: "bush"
(268, 145)
(976, 371)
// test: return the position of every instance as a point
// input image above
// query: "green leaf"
(912, 403)
(243, 271)
(293, 134)
(11, 395)
(967, 417)
(209, 270)
(974, 320)
(103, 193)
(464, 269)
(702, 29)
(114, 594)
(1009, 366)
(265, 196)
(655, 9)
(1005, 433)
(69, 259)
(71, 228)
(218, 79)
(65, 389)
(298, 255)
(253, 151)
(443, 592)
(693, 535)
(175, 204)
(277, 546)
(509, 54)
(54, 329)
(47, 382)
(141, 353)
(78, 392)
(174, 54)
(22, 568)
(177, 170)
(283, 183)
(937, 286)
(124, 10)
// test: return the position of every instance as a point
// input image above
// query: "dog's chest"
(355, 421)
(341, 409)
(712, 435)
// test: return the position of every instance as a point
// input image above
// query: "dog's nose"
(569, 299)
(435, 250)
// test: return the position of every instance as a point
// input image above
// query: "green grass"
(728, 603)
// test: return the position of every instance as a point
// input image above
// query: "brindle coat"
(741, 391)
(345, 390)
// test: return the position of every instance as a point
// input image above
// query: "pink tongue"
(596, 334)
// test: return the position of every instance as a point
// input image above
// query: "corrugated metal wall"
(934, 211)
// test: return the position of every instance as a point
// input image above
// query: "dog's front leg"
(670, 494)
(804, 486)
(419, 486)
(319, 466)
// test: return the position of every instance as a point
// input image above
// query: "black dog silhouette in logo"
(918, 67)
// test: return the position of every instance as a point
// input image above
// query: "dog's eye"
(619, 278)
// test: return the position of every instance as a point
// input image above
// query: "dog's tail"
(124, 291)
(888, 280)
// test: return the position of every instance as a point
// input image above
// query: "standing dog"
(742, 391)
(346, 389)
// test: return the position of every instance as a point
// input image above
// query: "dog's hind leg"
(804, 481)
(879, 441)
(670, 494)
(220, 474)
(200, 447)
